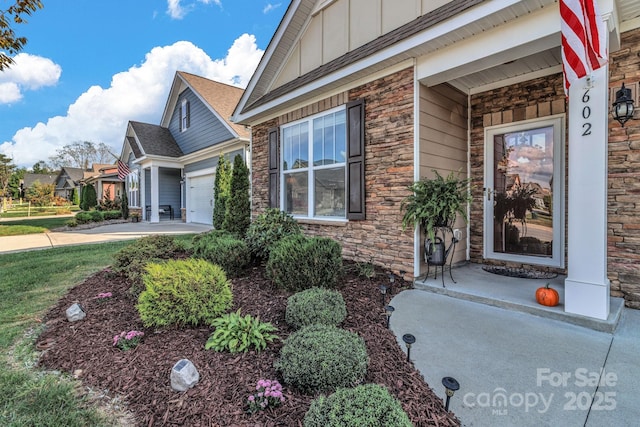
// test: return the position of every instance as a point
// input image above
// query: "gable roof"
(155, 140)
(30, 178)
(75, 174)
(258, 91)
(220, 98)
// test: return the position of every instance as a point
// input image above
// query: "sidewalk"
(105, 233)
(518, 369)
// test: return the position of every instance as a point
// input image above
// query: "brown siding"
(624, 179)
(388, 169)
(443, 142)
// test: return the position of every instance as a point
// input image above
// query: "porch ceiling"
(517, 63)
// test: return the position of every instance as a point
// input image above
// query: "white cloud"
(28, 72)
(269, 7)
(140, 93)
(178, 10)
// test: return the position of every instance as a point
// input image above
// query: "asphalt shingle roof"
(156, 140)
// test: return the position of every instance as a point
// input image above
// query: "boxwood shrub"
(297, 262)
(315, 305)
(267, 229)
(224, 250)
(183, 292)
(114, 214)
(364, 405)
(320, 358)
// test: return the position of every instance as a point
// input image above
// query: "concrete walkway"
(519, 369)
(105, 233)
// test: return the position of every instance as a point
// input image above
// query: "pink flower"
(252, 398)
(105, 295)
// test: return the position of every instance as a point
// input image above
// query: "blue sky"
(91, 66)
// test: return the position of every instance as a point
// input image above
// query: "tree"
(14, 188)
(6, 170)
(238, 214)
(221, 188)
(124, 205)
(41, 194)
(41, 167)
(9, 41)
(81, 155)
(89, 198)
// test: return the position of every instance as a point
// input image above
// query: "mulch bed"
(141, 376)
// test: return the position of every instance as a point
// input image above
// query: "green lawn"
(30, 283)
(31, 226)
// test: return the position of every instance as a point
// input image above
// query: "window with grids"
(313, 166)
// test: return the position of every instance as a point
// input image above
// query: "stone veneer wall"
(623, 211)
(528, 100)
(389, 139)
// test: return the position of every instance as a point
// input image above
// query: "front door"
(524, 207)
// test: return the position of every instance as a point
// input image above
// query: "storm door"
(524, 207)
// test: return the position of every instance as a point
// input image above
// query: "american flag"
(583, 39)
(123, 170)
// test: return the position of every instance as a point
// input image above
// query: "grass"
(29, 284)
(31, 226)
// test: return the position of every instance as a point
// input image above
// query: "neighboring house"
(67, 181)
(354, 100)
(31, 178)
(173, 164)
(105, 178)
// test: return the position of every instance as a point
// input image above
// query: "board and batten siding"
(443, 142)
(205, 129)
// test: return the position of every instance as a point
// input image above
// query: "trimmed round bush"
(315, 305)
(183, 292)
(114, 214)
(224, 250)
(83, 217)
(297, 262)
(96, 216)
(364, 405)
(321, 358)
(267, 229)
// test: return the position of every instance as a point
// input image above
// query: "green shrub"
(96, 216)
(124, 205)
(83, 217)
(267, 229)
(114, 214)
(130, 260)
(223, 249)
(321, 358)
(183, 292)
(236, 333)
(72, 223)
(315, 305)
(297, 262)
(364, 405)
(89, 198)
(238, 206)
(221, 189)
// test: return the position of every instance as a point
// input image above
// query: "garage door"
(200, 202)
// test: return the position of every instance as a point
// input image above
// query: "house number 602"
(586, 113)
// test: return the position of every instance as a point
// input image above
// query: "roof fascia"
(172, 99)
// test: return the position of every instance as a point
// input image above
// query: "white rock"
(75, 312)
(184, 375)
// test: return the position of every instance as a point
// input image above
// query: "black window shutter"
(188, 114)
(355, 160)
(274, 167)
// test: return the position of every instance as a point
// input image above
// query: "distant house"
(172, 165)
(67, 181)
(31, 178)
(105, 178)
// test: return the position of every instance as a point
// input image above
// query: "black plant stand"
(436, 252)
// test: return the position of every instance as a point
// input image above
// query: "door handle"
(488, 192)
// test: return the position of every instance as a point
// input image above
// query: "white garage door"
(200, 202)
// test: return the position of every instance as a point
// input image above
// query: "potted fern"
(435, 203)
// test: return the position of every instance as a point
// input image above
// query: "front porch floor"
(475, 284)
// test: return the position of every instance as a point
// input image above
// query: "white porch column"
(586, 290)
(142, 187)
(155, 194)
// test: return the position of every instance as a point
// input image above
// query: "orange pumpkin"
(547, 296)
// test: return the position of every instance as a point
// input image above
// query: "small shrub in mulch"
(320, 358)
(364, 405)
(224, 250)
(267, 229)
(183, 292)
(298, 262)
(315, 305)
(237, 333)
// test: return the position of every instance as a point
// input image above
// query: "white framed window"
(313, 166)
(133, 189)
(185, 119)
